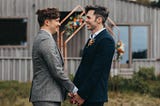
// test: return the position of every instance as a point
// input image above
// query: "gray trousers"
(46, 103)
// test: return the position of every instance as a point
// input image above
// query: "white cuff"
(75, 90)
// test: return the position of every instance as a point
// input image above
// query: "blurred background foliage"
(144, 82)
(153, 3)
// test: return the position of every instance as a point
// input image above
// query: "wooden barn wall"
(131, 13)
(120, 12)
(15, 62)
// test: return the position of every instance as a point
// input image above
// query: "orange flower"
(73, 24)
(119, 49)
(91, 42)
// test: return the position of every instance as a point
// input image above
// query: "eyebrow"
(88, 16)
(58, 19)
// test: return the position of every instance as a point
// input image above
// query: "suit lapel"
(100, 36)
(97, 39)
(50, 37)
(60, 56)
(85, 47)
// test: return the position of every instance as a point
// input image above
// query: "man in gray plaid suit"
(49, 83)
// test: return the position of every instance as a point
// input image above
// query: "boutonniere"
(91, 42)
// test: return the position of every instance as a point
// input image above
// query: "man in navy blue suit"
(92, 75)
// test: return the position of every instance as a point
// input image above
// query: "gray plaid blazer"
(49, 81)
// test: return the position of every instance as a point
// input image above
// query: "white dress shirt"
(96, 33)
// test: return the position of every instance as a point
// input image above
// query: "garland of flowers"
(73, 24)
(119, 46)
(119, 50)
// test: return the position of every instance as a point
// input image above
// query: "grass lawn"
(115, 99)
(131, 99)
(14, 93)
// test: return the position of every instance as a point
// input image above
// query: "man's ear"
(46, 22)
(99, 20)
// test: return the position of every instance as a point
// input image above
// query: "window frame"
(129, 25)
(17, 46)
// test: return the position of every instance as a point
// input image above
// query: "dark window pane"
(139, 42)
(13, 31)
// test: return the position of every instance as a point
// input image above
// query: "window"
(135, 38)
(124, 36)
(139, 42)
(13, 31)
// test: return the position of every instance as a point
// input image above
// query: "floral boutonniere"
(91, 42)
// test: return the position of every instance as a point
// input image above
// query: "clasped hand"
(75, 99)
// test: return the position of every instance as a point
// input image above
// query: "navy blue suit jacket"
(92, 75)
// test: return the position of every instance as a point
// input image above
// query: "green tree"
(156, 4)
(144, 2)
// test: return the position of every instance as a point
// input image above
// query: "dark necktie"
(92, 36)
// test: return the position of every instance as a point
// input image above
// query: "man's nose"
(86, 20)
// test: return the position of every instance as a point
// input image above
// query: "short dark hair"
(98, 11)
(49, 13)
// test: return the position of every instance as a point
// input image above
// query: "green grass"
(13, 93)
(131, 99)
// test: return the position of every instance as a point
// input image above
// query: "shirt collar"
(96, 33)
(47, 32)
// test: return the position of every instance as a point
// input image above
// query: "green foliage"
(14, 89)
(144, 2)
(117, 82)
(140, 79)
(155, 89)
(24, 90)
(158, 77)
(139, 85)
(145, 74)
(71, 77)
(148, 3)
(155, 4)
(144, 82)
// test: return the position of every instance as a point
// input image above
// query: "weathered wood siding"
(16, 69)
(120, 12)
(13, 51)
(15, 62)
(20, 69)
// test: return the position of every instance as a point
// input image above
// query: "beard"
(91, 27)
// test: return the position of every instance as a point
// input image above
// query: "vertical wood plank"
(19, 69)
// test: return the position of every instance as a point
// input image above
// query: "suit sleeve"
(50, 54)
(102, 60)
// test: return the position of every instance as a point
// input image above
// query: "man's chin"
(89, 28)
(57, 30)
(54, 32)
